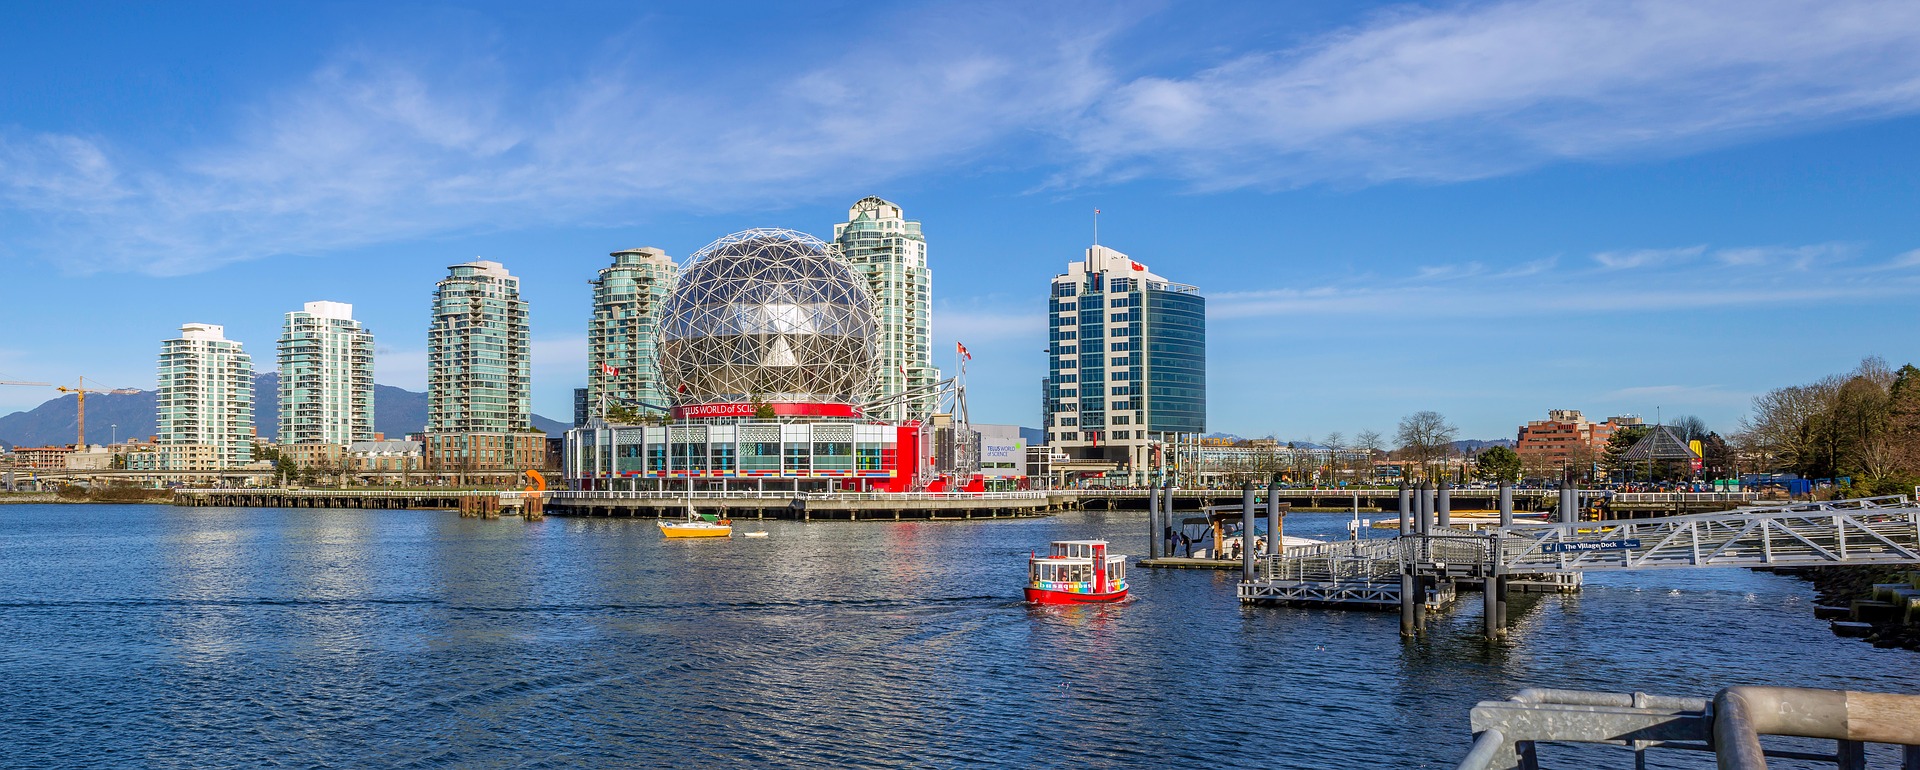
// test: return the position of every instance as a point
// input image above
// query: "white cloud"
(1653, 280)
(376, 147)
(1624, 260)
(1475, 90)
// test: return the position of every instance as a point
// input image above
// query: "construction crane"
(80, 391)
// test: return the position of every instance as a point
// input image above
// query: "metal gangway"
(1872, 530)
(1417, 569)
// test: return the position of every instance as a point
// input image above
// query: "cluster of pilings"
(1427, 508)
(1163, 532)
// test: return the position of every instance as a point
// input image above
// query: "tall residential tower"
(627, 296)
(479, 378)
(889, 251)
(1127, 378)
(326, 376)
(203, 409)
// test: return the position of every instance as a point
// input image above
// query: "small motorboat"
(1076, 572)
(756, 533)
(697, 525)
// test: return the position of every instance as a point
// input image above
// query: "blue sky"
(1484, 209)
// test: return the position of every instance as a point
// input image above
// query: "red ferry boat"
(1077, 572)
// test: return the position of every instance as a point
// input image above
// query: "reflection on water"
(165, 637)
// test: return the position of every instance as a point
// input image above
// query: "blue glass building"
(1127, 372)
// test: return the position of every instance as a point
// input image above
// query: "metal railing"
(1862, 531)
(1446, 545)
(1370, 561)
(1683, 497)
(1507, 734)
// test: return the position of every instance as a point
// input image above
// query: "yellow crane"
(80, 391)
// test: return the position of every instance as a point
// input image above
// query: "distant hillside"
(56, 421)
(396, 412)
(1475, 445)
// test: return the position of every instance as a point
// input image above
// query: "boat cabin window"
(1062, 573)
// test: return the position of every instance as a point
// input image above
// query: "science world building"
(768, 350)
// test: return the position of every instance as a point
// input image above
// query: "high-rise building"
(203, 408)
(627, 296)
(479, 376)
(1127, 374)
(326, 376)
(889, 251)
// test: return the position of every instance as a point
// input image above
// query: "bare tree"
(1369, 442)
(1425, 437)
(1334, 443)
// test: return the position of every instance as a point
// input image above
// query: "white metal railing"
(1882, 530)
(1684, 497)
(1345, 560)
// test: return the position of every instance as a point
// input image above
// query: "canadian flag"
(1137, 266)
(608, 369)
(964, 355)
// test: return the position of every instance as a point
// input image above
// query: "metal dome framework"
(767, 315)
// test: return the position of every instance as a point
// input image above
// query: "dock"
(811, 506)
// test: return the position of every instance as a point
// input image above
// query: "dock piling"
(1276, 527)
(1506, 503)
(1406, 601)
(1155, 540)
(1406, 500)
(1444, 510)
(1246, 531)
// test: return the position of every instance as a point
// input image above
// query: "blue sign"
(1591, 545)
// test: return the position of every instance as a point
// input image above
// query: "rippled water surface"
(148, 636)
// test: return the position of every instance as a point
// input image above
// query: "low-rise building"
(191, 457)
(91, 458)
(490, 456)
(321, 455)
(1566, 439)
(147, 459)
(42, 458)
(397, 456)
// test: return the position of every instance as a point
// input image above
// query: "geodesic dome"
(769, 315)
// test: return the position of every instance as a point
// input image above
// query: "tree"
(1498, 463)
(1335, 443)
(621, 414)
(1369, 442)
(1424, 438)
(1614, 459)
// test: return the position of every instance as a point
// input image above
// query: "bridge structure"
(1421, 569)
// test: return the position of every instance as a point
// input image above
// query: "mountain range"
(396, 412)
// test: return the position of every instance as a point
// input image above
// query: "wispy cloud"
(1626, 260)
(378, 146)
(1679, 395)
(1475, 90)
(1659, 280)
(372, 149)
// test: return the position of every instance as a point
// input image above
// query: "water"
(148, 636)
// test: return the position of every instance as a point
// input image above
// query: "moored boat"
(1076, 572)
(697, 525)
